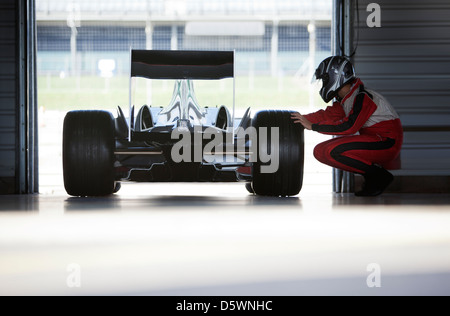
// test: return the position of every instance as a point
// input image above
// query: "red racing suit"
(370, 128)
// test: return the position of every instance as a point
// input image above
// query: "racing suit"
(370, 129)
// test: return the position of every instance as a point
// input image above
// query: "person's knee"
(317, 152)
(322, 153)
(335, 154)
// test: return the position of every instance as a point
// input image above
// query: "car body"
(182, 141)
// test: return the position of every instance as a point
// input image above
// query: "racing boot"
(376, 180)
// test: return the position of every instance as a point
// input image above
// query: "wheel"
(117, 187)
(88, 153)
(249, 188)
(287, 179)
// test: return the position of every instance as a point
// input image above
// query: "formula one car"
(182, 141)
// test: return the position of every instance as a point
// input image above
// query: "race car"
(182, 141)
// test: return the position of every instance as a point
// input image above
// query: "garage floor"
(216, 239)
(206, 239)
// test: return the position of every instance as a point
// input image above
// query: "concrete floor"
(202, 239)
(216, 239)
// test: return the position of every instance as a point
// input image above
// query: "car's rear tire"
(88, 153)
(117, 187)
(287, 180)
(249, 188)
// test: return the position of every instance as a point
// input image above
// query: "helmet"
(335, 72)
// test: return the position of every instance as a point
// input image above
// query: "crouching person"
(369, 129)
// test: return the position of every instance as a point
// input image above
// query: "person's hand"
(300, 119)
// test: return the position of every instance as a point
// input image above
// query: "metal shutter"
(8, 88)
(407, 59)
(18, 141)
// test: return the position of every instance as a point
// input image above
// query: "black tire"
(288, 179)
(117, 187)
(88, 153)
(249, 188)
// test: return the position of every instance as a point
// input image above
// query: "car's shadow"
(176, 202)
(80, 204)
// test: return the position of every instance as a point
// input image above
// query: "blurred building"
(269, 37)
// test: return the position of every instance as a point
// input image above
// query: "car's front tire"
(88, 153)
(287, 179)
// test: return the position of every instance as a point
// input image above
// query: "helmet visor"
(316, 83)
(314, 79)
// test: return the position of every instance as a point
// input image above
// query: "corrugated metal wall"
(18, 132)
(8, 95)
(407, 59)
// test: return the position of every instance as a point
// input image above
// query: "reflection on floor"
(215, 239)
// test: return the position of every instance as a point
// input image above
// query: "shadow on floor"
(395, 199)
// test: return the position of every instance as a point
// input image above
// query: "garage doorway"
(83, 60)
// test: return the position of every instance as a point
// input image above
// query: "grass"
(91, 92)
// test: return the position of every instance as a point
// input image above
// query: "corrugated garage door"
(18, 133)
(408, 60)
(8, 84)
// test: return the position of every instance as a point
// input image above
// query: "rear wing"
(174, 64)
(180, 64)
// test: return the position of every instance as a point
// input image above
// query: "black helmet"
(335, 72)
